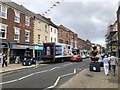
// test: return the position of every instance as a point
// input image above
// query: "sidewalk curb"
(19, 69)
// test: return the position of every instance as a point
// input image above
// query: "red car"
(76, 58)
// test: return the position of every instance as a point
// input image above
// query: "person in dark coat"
(4, 60)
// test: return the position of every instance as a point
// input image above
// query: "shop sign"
(38, 48)
(3, 45)
(21, 47)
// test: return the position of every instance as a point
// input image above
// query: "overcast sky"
(88, 18)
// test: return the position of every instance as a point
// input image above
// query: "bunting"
(53, 6)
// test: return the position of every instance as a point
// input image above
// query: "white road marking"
(28, 76)
(8, 81)
(54, 68)
(39, 73)
(25, 76)
(67, 64)
(59, 77)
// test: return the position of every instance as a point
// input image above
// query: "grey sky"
(88, 18)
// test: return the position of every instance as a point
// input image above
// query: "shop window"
(3, 11)
(27, 36)
(16, 34)
(3, 31)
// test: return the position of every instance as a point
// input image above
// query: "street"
(43, 76)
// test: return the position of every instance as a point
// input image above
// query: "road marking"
(9, 81)
(54, 68)
(67, 64)
(59, 77)
(28, 76)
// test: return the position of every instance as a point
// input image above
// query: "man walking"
(4, 60)
(113, 63)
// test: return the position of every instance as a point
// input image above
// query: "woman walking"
(106, 65)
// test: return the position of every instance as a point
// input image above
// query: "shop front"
(3, 49)
(38, 52)
(17, 52)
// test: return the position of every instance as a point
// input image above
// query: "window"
(51, 39)
(61, 33)
(39, 25)
(27, 20)
(46, 27)
(3, 31)
(38, 38)
(45, 38)
(51, 29)
(67, 35)
(27, 36)
(16, 34)
(54, 30)
(119, 18)
(3, 11)
(17, 16)
(55, 39)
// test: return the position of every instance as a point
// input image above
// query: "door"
(38, 55)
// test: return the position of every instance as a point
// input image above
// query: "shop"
(38, 52)
(17, 52)
(3, 49)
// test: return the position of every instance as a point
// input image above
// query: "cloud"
(88, 18)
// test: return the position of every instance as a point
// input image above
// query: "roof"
(20, 8)
(47, 20)
(63, 27)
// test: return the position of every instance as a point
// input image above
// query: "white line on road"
(28, 76)
(9, 81)
(67, 64)
(59, 77)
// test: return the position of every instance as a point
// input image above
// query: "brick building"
(84, 45)
(16, 29)
(67, 36)
(63, 34)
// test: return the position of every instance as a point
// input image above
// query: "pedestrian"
(109, 62)
(113, 63)
(106, 65)
(4, 60)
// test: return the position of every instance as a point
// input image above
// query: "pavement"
(88, 79)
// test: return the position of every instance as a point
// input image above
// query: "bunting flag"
(54, 5)
(58, 2)
(48, 10)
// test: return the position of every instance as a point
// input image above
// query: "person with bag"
(113, 63)
(4, 60)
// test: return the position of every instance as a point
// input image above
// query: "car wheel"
(24, 63)
(29, 63)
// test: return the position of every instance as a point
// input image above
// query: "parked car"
(76, 58)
